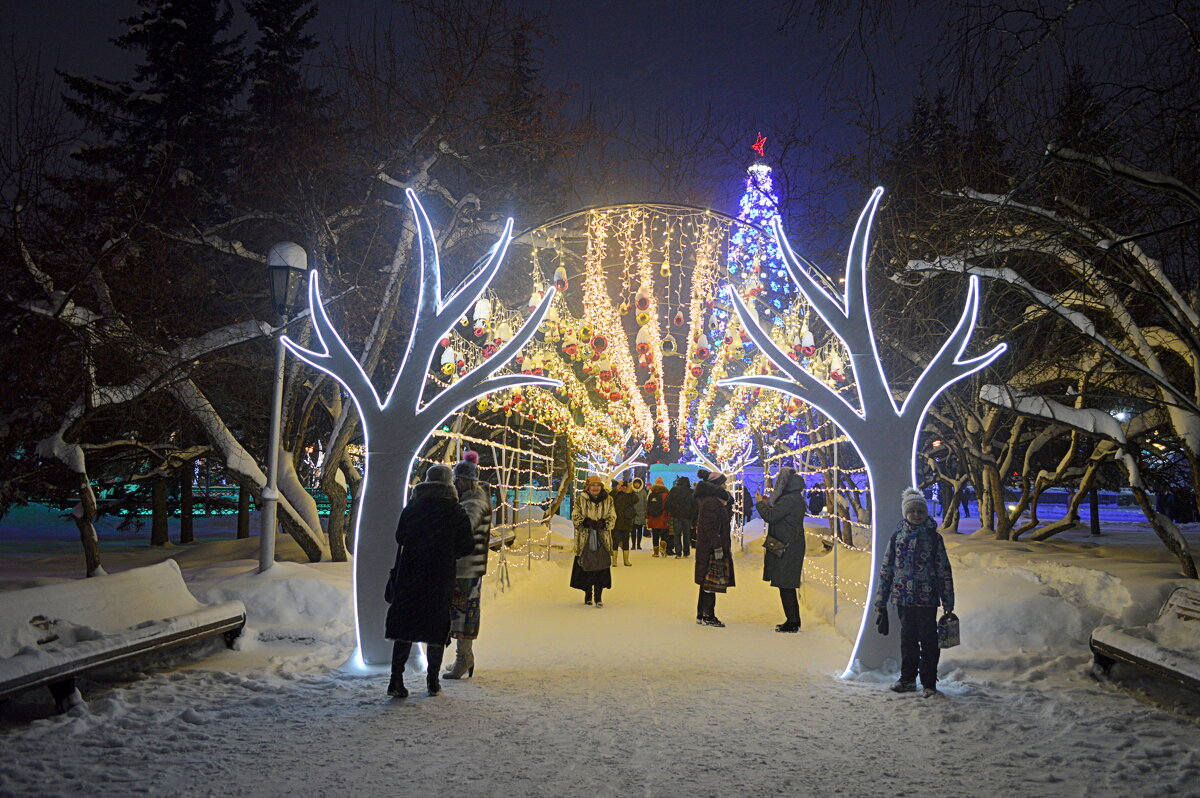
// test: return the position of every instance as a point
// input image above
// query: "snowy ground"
(630, 699)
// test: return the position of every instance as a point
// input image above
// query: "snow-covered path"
(632, 699)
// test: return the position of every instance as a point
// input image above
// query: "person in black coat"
(784, 514)
(433, 532)
(681, 507)
(713, 543)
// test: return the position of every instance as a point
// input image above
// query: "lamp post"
(285, 261)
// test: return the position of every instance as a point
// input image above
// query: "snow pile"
(290, 602)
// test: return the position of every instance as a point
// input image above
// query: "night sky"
(623, 57)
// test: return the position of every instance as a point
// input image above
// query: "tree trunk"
(337, 516)
(158, 512)
(1175, 543)
(1094, 506)
(1071, 519)
(85, 522)
(243, 510)
(186, 527)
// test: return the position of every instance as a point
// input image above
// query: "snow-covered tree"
(1136, 314)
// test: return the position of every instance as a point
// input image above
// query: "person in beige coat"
(593, 514)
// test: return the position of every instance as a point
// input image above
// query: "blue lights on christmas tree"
(753, 254)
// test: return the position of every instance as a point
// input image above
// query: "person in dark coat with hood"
(713, 542)
(681, 508)
(784, 515)
(433, 532)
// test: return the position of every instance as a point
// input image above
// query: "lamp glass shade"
(284, 260)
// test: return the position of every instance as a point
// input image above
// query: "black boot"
(396, 688)
(400, 652)
(788, 627)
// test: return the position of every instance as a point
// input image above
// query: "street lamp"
(285, 261)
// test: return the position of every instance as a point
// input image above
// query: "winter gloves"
(881, 621)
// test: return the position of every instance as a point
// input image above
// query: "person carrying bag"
(593, 514)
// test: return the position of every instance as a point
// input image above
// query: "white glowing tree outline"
(878, 430)
(601, 468)
(735, 466)
(395, 429)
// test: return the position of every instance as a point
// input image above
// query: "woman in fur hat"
(433, 532)
(593, 515)
(915, 575)
(469, 570)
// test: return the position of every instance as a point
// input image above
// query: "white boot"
(464, 661)
(625, 554)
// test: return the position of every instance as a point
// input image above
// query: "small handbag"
(775, 546)
(594, 557)
(947, 631)
(716, 578)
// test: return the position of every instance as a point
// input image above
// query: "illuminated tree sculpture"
(396, 427)
(879, 430)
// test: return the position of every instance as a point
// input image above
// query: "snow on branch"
(1085, 419)
(1111, 166)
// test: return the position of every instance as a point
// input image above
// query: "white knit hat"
(911, 497)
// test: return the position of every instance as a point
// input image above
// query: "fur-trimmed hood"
(705, 489)
(435, 490)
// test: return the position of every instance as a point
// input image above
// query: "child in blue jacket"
(915, 575)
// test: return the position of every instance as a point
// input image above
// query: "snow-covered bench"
(51, 634)
(1168, 648)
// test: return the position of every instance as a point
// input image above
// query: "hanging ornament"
(669, 345)
(625, 306)
(643, 318)
(643, 340)
(614, 396)
(445, 341)
(678, 320)
(482, 315)
(535, 299)
(488, 350)
(585, 332)
(560, 278)
(651, 386)
(697, 370)
(642, 300)
(703, 350)
(836, 369)
(483, 405)
(503, 333)
(449, 361)
(569, 344)
(714, 323)
(599, 343)
(665, 270)
(807, 347)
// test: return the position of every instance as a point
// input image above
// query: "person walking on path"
(469, 570)
(657, 519)
(593, 514)
(681, 508)
(433, 532)
(639, 512)
(624, 501)
(714, 552)
(783, 567)
(915, 575)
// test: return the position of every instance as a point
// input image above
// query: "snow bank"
(290, 602)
